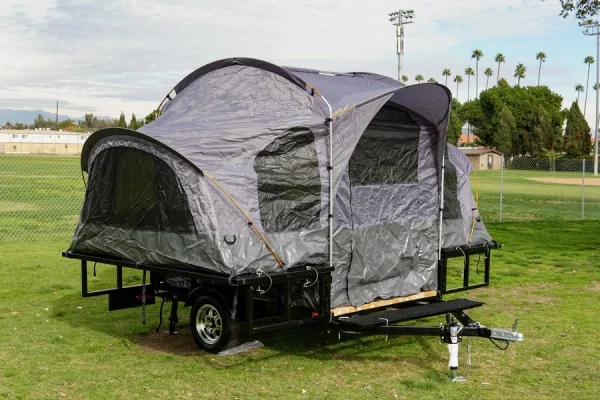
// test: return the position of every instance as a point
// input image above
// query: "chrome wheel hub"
(209, 324)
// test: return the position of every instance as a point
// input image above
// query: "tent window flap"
(132, 189)
(289, 184)
(388, 151)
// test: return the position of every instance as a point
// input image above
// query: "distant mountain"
(27, 116)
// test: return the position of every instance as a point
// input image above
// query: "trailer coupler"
(450, 333)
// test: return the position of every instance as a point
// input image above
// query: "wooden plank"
(381, 303)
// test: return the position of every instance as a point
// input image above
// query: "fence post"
(583, 191)
(501, 186)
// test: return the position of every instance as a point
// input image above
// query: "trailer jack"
(450, 333)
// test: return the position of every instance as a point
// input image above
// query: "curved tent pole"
(329, 121)
(264, 240)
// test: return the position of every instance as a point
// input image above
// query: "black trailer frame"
(256, 303)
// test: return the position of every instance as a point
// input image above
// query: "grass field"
(525, 199)
(54, 344)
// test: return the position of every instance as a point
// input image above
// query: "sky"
(109, 56)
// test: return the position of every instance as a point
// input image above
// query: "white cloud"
(115, 55)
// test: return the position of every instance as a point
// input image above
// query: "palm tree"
(499, 59)
(477, 54)
(579, 88)
(520, 72)
(542, 57)
(446, 72)
(458, 79)
(419, 78)
(589, 60)
(431, 80)
(469, 73)
(488, 72)
(404, 79)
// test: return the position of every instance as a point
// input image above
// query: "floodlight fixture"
(399, 19)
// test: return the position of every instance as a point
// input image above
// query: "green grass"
(40, 197)
(54, 344)
(525, 199)
(60, 344)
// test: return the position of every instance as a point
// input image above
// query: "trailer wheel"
(212, 326)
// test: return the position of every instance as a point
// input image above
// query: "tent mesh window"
(388, 151)
(451, 202)
(131, 189)
(289, 184)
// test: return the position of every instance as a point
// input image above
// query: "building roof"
(479, 152)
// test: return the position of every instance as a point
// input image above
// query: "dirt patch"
(526, 296)
(182, 343)
(594, 287)
(9, 206)
(568, 181)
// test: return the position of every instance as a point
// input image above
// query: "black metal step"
(410, 313)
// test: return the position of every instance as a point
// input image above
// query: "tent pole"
(329, 121)
(441, 218)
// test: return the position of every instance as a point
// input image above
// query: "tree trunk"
(446, 80)
(487, 82)
(477, 78)
(498, 76)
(519, 81)
(456, 91)
(587, 86)
(469, 88)
(539, 72)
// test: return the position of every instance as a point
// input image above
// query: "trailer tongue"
(226, 309)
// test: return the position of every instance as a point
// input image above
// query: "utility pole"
(399, 19)
(57, 115)
(592, 28)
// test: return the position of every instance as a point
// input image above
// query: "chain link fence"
(538, 189)
(41, 196)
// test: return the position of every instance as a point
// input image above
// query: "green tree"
(520, 72)
(122, 123)
(506, 128)
(446, 73)
(499, 59)
(419, 78)
(583, 9)
(488, 72)
(542, 57)
(469, 73)
(477, 54)
(133, 124)
(431, 80)
(579, 88)
(458, 79)
(89, 120)
(39, 122)
(150, 117)
(537, 138)
(577, 135)
(483, 114)
(455, 124)
(589, 60)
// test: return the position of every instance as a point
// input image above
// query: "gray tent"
(254, 167)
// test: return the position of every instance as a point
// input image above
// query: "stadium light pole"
(592, 28)
(399, 19)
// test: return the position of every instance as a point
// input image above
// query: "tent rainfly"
(255, 168)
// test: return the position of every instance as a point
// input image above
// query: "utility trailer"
(266, 197)
(226, 310)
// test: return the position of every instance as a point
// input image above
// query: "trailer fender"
(206, 291)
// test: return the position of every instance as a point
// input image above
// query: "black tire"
(212, 326)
